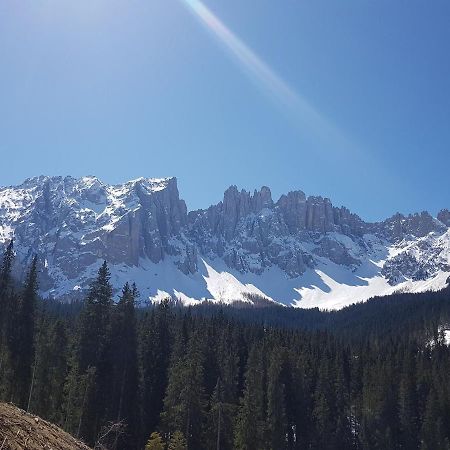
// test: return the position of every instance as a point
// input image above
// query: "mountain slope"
(299, 250)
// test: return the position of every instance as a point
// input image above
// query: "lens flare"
(301, 109)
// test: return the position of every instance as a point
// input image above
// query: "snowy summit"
(298, 250)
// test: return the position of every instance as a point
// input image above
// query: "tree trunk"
(219, 425)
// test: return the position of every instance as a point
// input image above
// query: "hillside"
(20, 430)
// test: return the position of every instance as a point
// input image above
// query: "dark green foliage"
(372, 376)
(277, 421)
(21, 342)
(250, 431)
(7, 296)
(5, 286)
(123, 396)
(177, 441)
(95, 322)
(434, 435)
(93, 361)
(154, 357)
(184, 403)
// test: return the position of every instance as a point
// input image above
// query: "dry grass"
(20, 430)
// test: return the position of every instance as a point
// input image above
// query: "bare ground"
(20, 430)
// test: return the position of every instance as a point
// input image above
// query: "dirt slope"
(20, 430)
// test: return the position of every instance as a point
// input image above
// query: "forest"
(371, 376)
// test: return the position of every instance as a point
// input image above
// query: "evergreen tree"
(250, 422)
(433, 434)
(6, 285)
(276, 402)
(324, 413)
(125, 369)
(94, 330)
(41, 385)
(184, 403)
(94, 357)
(220, 420)
(177, 441)
(223, 400)
(22, 338)
(155, 442)
(343, 438)
(154, 358)
(58, 368)
(50, 370)
(6, 300)
(408, 405)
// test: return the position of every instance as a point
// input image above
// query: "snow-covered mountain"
(299, 250)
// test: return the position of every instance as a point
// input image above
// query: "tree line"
(164, 377)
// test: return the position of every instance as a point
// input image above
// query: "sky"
(344, 99)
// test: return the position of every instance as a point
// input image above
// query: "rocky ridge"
(247, 241)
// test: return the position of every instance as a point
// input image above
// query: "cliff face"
(72, 223)
(143, 225)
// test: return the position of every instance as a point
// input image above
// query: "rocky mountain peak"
(399, 226)
(144, 231)
(444, 217)
(244, 202)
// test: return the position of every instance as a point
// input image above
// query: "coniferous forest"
(372, 376)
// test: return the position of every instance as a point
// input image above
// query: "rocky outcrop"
(444, 217)
(417, 225)
(72, 224)
(252, 233)
(293, 208)
(420, 260)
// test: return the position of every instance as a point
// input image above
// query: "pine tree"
(5, 283)
(177, 441)
(223, 401)
(6, 300)
(433, 434)
(250, 422)
(220, 420)
(51, 371)
(324, 412)
(22, 339)
(125, 369)
(155, 442)
(94, 357)
(343, 432)
(95, 321)
(154, 357)
(40, 383)
(184, 403)
(276, 402)
(408, 405)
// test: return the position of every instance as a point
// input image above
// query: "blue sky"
(122, 89)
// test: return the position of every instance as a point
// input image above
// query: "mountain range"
(298, 250)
